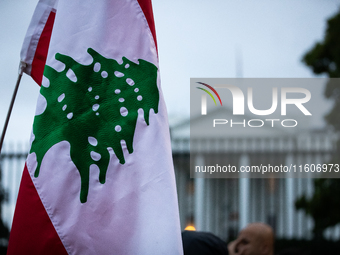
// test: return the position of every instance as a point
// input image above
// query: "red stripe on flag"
(146, 6)
(40, 55)
(31, 218)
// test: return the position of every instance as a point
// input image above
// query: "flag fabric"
(34, 49)
(99, 177)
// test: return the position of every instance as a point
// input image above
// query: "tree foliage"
(324, 58)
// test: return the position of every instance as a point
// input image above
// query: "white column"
(310, 222)
(199, 197)
(281, 212)
(290, 201)
(244, 191)
(209, 205)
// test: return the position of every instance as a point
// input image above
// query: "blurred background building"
(224, 206)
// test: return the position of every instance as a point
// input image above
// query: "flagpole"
(21, 70)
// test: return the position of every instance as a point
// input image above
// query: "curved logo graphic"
(213, 90)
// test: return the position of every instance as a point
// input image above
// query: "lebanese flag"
(99, 177)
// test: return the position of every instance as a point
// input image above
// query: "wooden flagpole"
(21, 70)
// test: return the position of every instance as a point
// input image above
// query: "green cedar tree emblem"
(94, 107)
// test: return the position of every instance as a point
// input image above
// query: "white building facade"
(223, 206)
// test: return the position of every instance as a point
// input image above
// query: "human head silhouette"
(255, 239)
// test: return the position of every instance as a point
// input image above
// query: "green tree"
(324, 58)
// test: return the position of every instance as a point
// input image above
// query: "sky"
(196, 39)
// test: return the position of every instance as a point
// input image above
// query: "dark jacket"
(203, 243)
